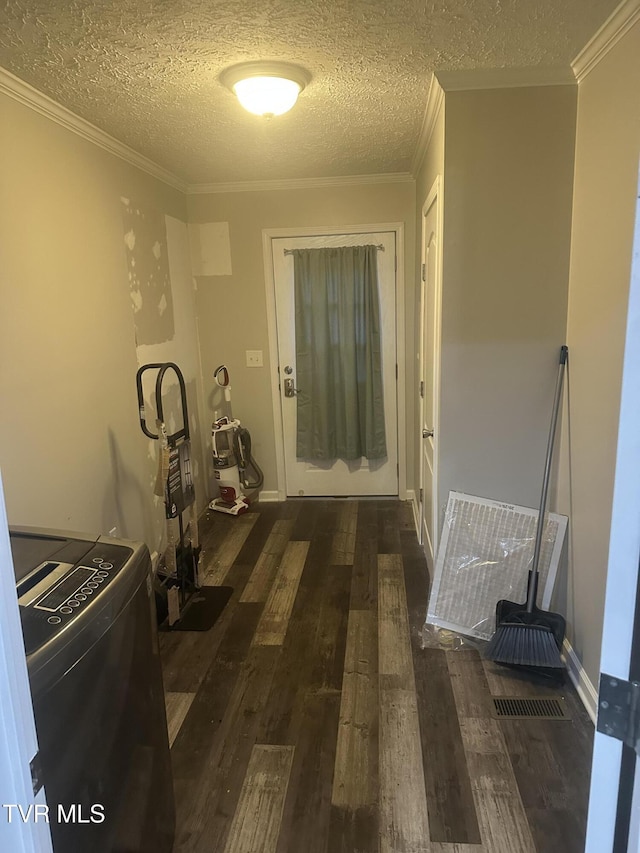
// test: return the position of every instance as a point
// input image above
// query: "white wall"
(181, 349)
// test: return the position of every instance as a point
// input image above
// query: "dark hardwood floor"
(310, 719)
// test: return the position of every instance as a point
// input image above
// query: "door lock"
(289, 390)
(427, 433)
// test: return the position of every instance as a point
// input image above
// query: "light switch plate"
(254, 358)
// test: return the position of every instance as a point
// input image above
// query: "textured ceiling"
(146, 72)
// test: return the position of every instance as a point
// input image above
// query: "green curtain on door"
(338, 354)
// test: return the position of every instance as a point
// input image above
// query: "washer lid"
(31, 546)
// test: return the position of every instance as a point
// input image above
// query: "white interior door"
(429, 371)
(340, 478)
(25, 831)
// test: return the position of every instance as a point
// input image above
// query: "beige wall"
(607, 151)
(507, 220)
(71, 450)
(232, 308)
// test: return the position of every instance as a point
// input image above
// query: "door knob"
(427, 433)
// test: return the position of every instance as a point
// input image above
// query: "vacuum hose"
(246, 462)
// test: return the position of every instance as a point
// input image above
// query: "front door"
(337, 477)
(429, 373)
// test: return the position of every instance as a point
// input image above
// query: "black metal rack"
(175, 473)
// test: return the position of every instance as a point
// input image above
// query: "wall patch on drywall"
(145, 243)
(210, 248)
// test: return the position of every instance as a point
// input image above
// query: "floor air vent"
(530, 708)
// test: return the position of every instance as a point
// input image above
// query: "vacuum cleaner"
(235, 469)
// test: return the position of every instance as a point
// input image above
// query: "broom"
(525, 635)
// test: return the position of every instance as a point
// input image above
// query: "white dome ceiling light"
(266, 88)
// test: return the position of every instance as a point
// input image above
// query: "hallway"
(310, 720)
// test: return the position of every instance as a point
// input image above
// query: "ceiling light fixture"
(266, 88)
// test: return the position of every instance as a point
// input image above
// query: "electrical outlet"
(254, 358)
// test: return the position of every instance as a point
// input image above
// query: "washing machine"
(87, 613)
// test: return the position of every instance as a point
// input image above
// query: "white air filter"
(485, 554)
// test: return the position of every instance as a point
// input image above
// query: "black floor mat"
(203, 609)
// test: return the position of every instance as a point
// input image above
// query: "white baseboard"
(411, 496)
(270, 496)
(586, 691)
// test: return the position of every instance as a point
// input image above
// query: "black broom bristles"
(524, 645)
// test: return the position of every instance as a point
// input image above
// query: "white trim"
(614, 28)
(272, 332)
(505, 78)
(413, 497)
(18, 741)
(434, 196)
(270, 234)
(25, 94)
(271, 496)
(401, 361)
(301, 183)
(30, 97)
(622, 566)
(435, 99)
(581, 681)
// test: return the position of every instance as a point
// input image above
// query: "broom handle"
(533, 577)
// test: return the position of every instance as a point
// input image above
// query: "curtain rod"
(379, 246)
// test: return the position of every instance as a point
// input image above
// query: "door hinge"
(424, 272)
(619, 710)
(395, 263)
(35, 766)
(422, 388)
(421, 496)
(396, 372)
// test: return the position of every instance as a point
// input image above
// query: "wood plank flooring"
(310, 719)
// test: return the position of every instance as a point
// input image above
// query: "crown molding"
(25, 94)
(505, 78)
(301, 183)
(614, 28)
(435, 99)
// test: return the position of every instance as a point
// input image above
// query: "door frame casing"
(18, 737)
(434, 196)
(622, 581)
(270, 234)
